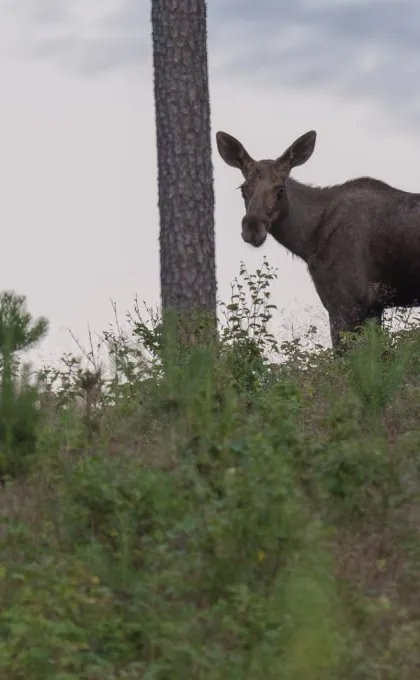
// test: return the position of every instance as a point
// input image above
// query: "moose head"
(265, 187)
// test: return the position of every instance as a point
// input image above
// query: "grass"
(216, 514)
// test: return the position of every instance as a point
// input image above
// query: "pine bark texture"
(185, 173)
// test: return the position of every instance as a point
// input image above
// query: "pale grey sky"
(78, 162)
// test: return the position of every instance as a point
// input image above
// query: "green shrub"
(235, 510)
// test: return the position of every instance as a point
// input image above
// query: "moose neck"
(306, 206)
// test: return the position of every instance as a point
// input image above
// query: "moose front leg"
(376, 314)
(347, 322)
(335, 331)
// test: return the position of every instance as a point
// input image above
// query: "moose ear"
(300, 151)
(232, 151)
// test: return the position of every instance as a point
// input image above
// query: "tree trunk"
(185, 173)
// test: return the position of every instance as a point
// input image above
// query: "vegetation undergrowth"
(238, 510)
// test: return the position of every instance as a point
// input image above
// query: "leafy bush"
(240, 510)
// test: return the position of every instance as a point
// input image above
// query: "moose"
(360, 240)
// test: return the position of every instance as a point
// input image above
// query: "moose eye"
(280, 191)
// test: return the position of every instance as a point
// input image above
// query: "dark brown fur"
(360, 240)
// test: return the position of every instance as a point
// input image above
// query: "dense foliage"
(231, 511)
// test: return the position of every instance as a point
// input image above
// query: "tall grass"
(240, 510)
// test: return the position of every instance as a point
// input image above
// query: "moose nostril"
(251, 222)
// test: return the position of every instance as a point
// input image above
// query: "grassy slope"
(230, 520)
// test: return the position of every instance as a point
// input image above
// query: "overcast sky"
(78, 162)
